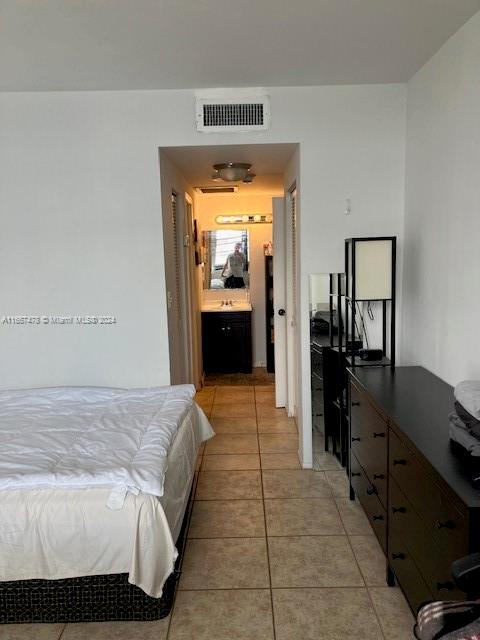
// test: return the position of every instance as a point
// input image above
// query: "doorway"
(187, 172)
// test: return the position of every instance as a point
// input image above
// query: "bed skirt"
(89, 598)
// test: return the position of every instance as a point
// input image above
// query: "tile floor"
(273, 552)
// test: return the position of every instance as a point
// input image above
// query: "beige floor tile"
(338, 480)
(235, 443)
(324, 461)
(227, 519)
(313, 561)
(280, 461)
(230, 410)
(243, 461)
(302, 517)
(393, 612)
(324, 614)
(225, 563)
(262, 388)
(265, 411)
(278, 443)
(295, 483)
(234, 397)
(222, 615)
(370, 558)
(234, 425)
(277, 425)
(232, 388)
(353, 517)
(228, 485)
(265, 398)
(156, 630)
(206, 392)
(31, 631)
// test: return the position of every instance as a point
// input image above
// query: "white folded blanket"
(89, 437)
(467, 393)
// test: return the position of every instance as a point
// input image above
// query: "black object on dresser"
(227, 341)
(415, 492)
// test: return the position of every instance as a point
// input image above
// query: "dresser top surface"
(419, 403)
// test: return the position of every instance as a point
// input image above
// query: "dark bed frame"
(89, 598)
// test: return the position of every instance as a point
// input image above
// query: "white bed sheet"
(61, 533)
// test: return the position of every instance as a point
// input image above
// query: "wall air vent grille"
(233, 115)
(228, 115)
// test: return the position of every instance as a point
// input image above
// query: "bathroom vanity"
(226, 309)
(227, 338)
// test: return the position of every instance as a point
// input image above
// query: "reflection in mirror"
(225, 257)
(324, 312)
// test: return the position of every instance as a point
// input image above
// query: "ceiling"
(174, 44)
(268, 163)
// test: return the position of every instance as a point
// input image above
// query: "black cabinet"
(269, 314)
(415, 492)
(227, 341)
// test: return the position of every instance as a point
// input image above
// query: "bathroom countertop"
(216, 306)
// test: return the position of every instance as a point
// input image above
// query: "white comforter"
(54, 522)
(89, 437)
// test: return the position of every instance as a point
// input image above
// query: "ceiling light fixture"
(233, 172)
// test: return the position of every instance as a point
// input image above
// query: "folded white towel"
(467, 393)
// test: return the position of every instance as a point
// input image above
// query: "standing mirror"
(225, 258)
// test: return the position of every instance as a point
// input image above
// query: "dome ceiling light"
(233, 172)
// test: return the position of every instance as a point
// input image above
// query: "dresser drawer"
(433, 562)
(402, 564)
(442, 519)
(372, 506)
(369, 441)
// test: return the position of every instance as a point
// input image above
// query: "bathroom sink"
(237, 305)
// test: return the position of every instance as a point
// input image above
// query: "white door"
(291, 299)
(279, 301)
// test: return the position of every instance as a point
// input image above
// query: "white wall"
(207, 209)
(81, 224)
(441, 309)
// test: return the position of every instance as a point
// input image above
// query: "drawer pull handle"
(379, 435)
(378, 476)
(356, 474)
(355, 404)
(378, 517)
(356, 439)
(445, 586)
(401, 462)
(398, 556)
(399, 510)
(371, 491)
(318, 415)
(447, 524)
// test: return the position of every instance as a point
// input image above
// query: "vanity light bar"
(256, 218)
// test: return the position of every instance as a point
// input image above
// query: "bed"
(94, 490)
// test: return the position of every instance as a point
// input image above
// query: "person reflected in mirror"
(234, 268)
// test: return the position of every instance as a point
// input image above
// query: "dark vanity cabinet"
(414, 490)
(227, 341)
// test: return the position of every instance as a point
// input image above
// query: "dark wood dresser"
(227, 341)
(414, 490)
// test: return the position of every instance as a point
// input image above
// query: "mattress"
(54, 533)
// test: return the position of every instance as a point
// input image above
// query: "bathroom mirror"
(225, 259)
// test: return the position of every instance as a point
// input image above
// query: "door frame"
(291, 276)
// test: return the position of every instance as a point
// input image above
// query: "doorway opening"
(230, 266)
